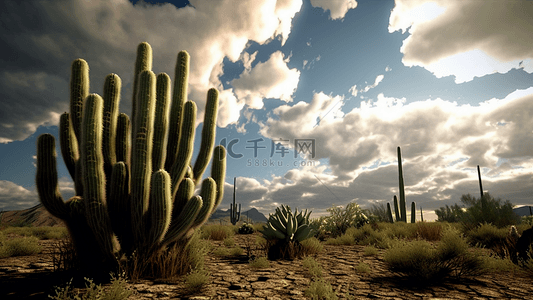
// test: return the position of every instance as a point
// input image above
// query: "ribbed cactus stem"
(185, 192)
(160, 209)
(119, 205)
(413, 212)
(179, 227)
(421, 215)
(208, 194)
(141, 161)
(389, 213)
(94, 180)
(111, 97)
(397, 210)
(179, 97)
(402, 191)
(186, 145)
(123, 145)
(79, 89)
(143, 63)
(69, 149)
(159, 151)
(218, 171)
(208, 135)
(46, 178)
(234, 214)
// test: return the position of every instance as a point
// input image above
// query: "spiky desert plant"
(403, 211)
(132, 197)
(234, 214)
(389, 213)
(413, 212)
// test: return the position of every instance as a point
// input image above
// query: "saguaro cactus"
(413, 212)
(136, 198)
(402, 191)
(234, 214)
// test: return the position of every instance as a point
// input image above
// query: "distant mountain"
(253, 215)
(39, 216)
(523, 211)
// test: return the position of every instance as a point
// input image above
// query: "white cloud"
(271, 79)
(445, 35)
(441, 141)
(367, 88)
(15, 197)
(106, 34)
(337, 8)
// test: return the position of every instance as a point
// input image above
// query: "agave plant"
(288, 226)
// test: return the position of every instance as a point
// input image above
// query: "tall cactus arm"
(123, 138)
(79, 89)
(141, 160)
(218, 171)
(69, 148)
(185, 192)
(179, 227)
(389, 213)
(179, 97)
(94, 194)
(142, 63)
(413, 212)
(208, 194)
(111, 97)
(160, 209)
(186, 145)
(208, 135)
(46, 178)
(119, 206)
(159, 151)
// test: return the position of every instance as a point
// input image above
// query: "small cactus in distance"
(234, 214)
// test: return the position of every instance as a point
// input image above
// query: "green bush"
(340, 219)
(216, 232)
(480, 210)
(20, 247)
(429, 231)
(312, 267)
(260, 263)
(486, 235)
(117, 290)
(196, 280)
(320, 290)
(420, 261)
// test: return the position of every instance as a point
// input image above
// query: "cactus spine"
(136, 197)
(234, 215)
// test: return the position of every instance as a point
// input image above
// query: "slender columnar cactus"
(421, 215)
(402, 192)
(397, 210)
(132, 196)
(389, 213)
(234, 215)
(480, 185)
(413, 213)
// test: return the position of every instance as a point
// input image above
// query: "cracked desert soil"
(32, 277)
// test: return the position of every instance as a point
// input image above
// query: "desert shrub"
(19, 247)
(178, 260)
(246, 229)
(421, 261)
(196, 280)
(429, 231)
(229, 242)
(378, 213)
(320, 290)
(480, 210)
(260, 263)
(237, 251)
(216, 232)
(258, 226)
(311, 246)
(527, 220)
(486, 235)
(362, 268)
(312, 267)
(221, 251)
(340, 219)
(118, 289)
(370, 251)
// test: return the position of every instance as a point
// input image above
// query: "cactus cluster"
(234, 214)
(401, 209)
(246, 228)
(288, 226)
(132, 196)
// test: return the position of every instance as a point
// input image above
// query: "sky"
(315, 95)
